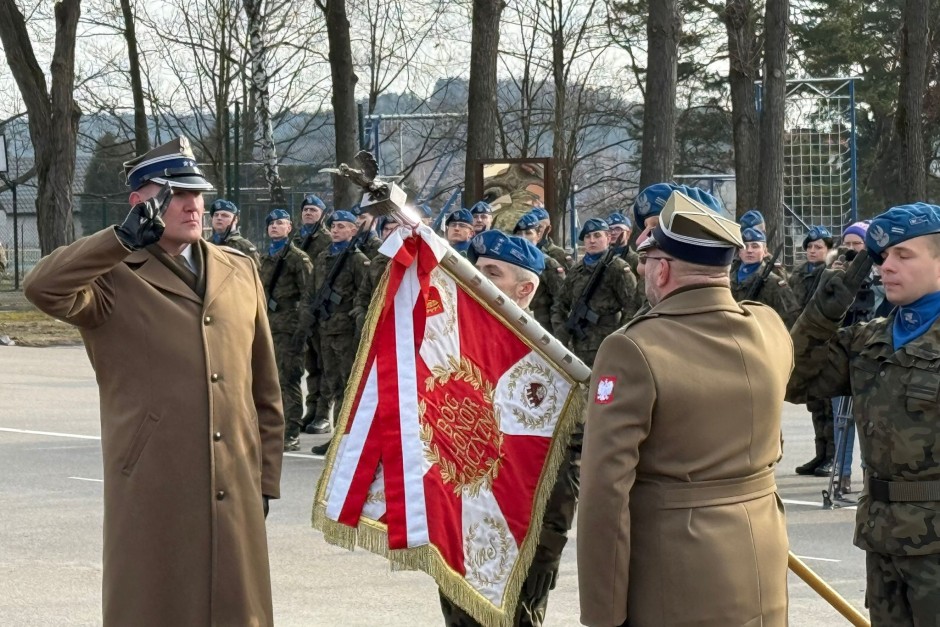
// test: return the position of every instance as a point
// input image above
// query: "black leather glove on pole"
(144, 222)
(834, 298)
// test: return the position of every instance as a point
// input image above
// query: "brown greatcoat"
(192, 430)
(679, 521)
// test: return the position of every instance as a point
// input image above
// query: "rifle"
(278, 269)
(581, 311)
(326, 297)
(305, 245)
(758, 285)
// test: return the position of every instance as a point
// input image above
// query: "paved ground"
(50, 536)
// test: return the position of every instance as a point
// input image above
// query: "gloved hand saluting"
(144, 222)
(834, 298)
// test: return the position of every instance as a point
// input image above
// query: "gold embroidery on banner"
(496, 550)
(446, 305)
(471, 427)
(538, 393)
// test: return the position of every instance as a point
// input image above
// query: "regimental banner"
(455, 421)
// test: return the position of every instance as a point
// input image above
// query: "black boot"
(809, 467)
(824, 469)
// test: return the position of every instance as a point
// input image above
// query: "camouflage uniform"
(284, 321)
(366, 291)
(370, 247)
(550, 284)
(556, 252)
(803, 283)
(313, 244)
(236, 241)
(775, 293)
(338, 339)
(897, 415)
(615, 301)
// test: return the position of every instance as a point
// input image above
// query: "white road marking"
(814, 504)
(52, 433)
(303, 455)
(818, 559)
(87, 479)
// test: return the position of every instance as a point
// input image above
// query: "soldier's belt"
(903, 491)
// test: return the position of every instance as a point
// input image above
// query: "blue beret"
(540, 213)
(650, 201)
(426, 210)
(343, 216)
(461, 215)
(751, 219)
(223, 205)
(313, 199)
(526, 222)
(481, 207)
(515, 250)
(750, 234)
(277, 214)
(619, 218)
(899, 224)
(594, 224)
(815, 233)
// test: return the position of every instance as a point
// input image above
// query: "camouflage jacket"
(615, 301)
(896, 412)
(775, 293)
(290, 287)
(315, 244)
(370, 247)
(366, 291)
(342, 319)
(236, 241)
(557, 253)
(802, 282)
(550, 284)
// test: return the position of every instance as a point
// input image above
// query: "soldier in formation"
(459, 230)
(620, 230)
(482, 214)
(224, 217)
(285, 272)
(546, 245)
(751, 279)
(365, 221)
(552, 278)
(891, 369)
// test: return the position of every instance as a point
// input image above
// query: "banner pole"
(824, 590)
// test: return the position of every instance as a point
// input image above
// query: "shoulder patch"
(604, 394)
(232, 251)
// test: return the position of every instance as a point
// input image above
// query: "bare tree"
(53, 114)
(663, 29)
(141, 134)
(481, 102)
(770, 188)
(909, 124)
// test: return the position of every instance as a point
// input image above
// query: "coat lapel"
(218, 270)
(151, 270)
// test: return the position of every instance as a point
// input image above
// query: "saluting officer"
(546, 245)
(614, 300)
(482, 214)
(891, 368)
(552, 278)
(285, 272)
(332, 315)
(746, 273)
(680, 523)
(224, 215)
(459, 230)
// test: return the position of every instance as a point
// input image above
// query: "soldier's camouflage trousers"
(823, 425)
(288, 375)
(903, 591)
(337, 354)
(314, 368)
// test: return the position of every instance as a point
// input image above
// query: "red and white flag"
(456, 418)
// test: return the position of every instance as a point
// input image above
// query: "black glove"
(540, 580)
(835, 297)
(144, 222)
(264, 505)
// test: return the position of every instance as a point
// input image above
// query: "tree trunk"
(481, 101)
(53, 115)
(260, 87)
(345, 118)
(909, 122)
(141, 134)
(559, 136)
(663, 29)
(770, 190)
(740, 18)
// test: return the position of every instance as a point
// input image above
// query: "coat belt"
(903, 491)
(683, 494)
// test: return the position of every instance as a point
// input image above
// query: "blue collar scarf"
(306, 229)
(912, 321)
(461, 247)
(338, 247)
(811, 267)
(217, 238)
(591, 259)
(747, 269)
(276, 246)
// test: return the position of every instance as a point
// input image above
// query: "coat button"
(220, 495)
(217, 436)
(208, 319)
(214, 377)
(882, 373)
